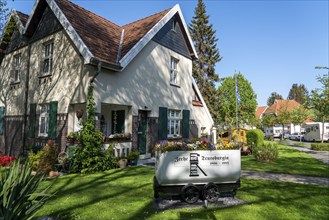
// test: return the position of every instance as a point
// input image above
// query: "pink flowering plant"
(164, 146)
(6, 160)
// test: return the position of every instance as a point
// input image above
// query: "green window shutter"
(163, 123)
(32, 120)
(52, 120)
(2, 120)
(118, 121)
(186, 124)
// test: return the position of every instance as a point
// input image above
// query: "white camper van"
(313, 131)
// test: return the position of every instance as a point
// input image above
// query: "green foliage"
(320, 146)
(298, 93)
(133, 155)
(44, 161)
(226, 94)
(255, 138)
(266, 152)
(89, 156)
(269, 138)
(18, 196)
(273, 97)
(299, 115)
(3, 15)
(269, 120)
(203, 36)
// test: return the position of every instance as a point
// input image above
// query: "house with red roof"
(141, 73)
(276, 109)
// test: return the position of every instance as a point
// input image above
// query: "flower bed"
(6, 160)
(164, 146)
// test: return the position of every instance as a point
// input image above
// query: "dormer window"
(48, 59)
(17, 67)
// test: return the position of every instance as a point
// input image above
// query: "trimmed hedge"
(267, 152)
(320, 146)
(255, 137)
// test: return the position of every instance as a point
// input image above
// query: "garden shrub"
(320, 146)
(88, 155)
(269, 138)
(44, 161)
(266, 152)
(19, 198)
(255, 138)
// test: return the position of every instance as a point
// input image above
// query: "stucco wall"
(145, 82)
(66, 72)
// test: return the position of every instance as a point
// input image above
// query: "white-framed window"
(174, 123)
(17, 67)
(48, 60)
(174, 71)
(44, 120)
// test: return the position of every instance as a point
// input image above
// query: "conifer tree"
(204, 39)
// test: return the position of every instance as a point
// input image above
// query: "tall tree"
(3, 15)
(204, 40)
(273, 97)
(298, 93)
(283, 117)
(227, 97)
(319, 100)
(299, 115)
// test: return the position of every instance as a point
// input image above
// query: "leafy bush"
(266, 152)
(269, 138)
(88, 155)
(320, 146)
(45, 160)
(255, 138)
(18, 196)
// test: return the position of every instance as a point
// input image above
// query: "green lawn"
(127, 194)
(290, 161)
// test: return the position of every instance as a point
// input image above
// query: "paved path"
(320, 155)
(285, 177)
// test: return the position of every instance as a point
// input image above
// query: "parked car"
(296, 136)
(286, 136)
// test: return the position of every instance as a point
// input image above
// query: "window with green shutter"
(52, 120)
(186, 124)
(163, 124)
(32, 119)
(2, 120)
(118, 121)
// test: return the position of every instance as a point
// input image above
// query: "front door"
(142, 127)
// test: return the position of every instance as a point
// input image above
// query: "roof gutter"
(105, 65)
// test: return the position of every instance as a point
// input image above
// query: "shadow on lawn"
(67, 185)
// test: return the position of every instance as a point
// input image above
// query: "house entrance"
(142, 128)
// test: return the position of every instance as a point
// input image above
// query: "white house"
(141, 72)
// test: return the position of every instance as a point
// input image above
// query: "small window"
(174, 123)
(44, 120)
(17, 67)
(173, 25)
(174, 71)
(47, 62)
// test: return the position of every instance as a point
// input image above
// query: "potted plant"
(133, 158)
(122, 162)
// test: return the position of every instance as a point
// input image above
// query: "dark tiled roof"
(135, 31)
(101, 36)
(23, 17)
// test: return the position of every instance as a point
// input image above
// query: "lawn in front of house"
(128, 194)
(290, 161)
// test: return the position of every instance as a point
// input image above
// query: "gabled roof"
(282, 105)
(260, 111)
(99, 39)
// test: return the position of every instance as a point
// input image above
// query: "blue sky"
(272, 43)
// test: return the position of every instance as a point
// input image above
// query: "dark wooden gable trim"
(48, 25)
(173, 39)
